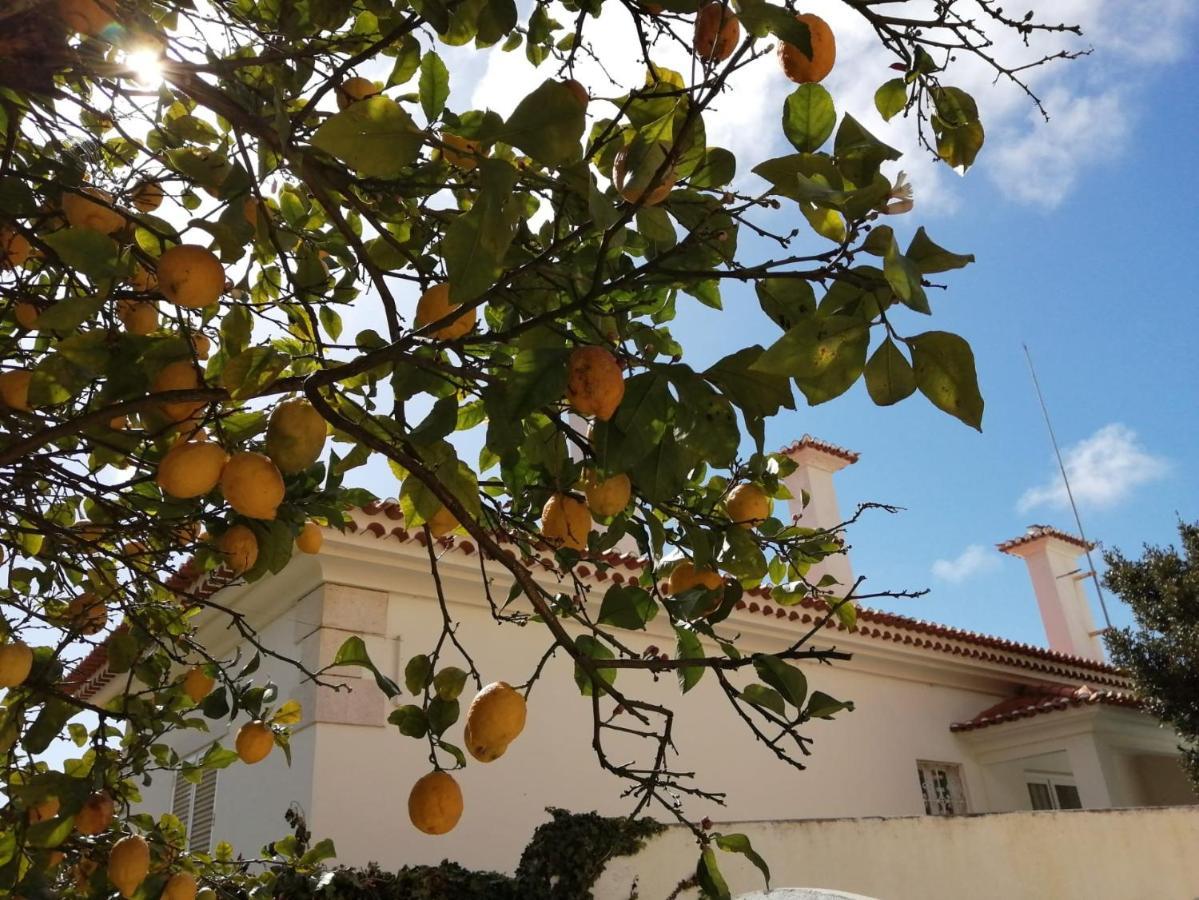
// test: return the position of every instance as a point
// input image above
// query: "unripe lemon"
(717, 32)
(181, 375)
(197, 683)
(252, 485)
(800, 67)
(495, 719)
(685, 576)
(566, 522)
(595, 383)
(147, 196)
(295, 435)
(254, 742)
(43, 810)
(14, 389)
(87, 16)
(608, 496)
(140, 317)
(435, 304)
(576, 88)
(15, 248)
(634, 193)
(442, 523)
(190, 276)
(191, 469)
(96, 815)
(310, 538)
(16, 661)
(97, 214)
(461, 152)
(239, 545)
(87, 614)
(435, 803)
(129, 863)
(180, 886)
(354, 89)
(747, 505)
(26, 314)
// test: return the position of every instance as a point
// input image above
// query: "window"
(1052, 792)
(195, 806)
(943, 789)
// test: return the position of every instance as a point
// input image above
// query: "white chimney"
(816, 462)
(1057, 576)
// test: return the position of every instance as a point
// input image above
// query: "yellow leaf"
(289, 713)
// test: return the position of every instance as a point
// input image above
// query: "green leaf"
(449, 682)
(321, 851)
(891, 98)
(418, 674)
(547, 125)
(590, 646)
(627, 606)
(48, 725)
(87, 251)
(739, 843)
(68, 314)
(496, 19)
(960, 145)
(930, 258)
(859, 153)
(904, 278)
(769, 698)
(249, 371)
(813, 346)
(442, 714)
(689, 647)
(353, 653)
(410, 719)
(434, 85)
(822, 706)
(809, 117)
(785, 678)
(476, 242)
(373, 136)
(944, 367)
(889, 375)
(407, 61)
(711, 881)
(759, 394)
(718, 168)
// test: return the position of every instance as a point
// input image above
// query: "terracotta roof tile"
(1042, 700)
(1039, 531)
(815, 443)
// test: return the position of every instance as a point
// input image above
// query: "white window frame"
(928, 772)
(1051, 781)
(184, 795)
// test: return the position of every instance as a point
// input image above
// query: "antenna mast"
(1066, 481)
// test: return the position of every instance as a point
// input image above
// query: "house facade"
(947, 721)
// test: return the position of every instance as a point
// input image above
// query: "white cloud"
(974, 560)
(1104, 469)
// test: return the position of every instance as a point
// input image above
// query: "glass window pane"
(1067, 796)
(1038, 793)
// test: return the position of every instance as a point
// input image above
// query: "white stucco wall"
(1081, 855)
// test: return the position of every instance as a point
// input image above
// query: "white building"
(946, 722)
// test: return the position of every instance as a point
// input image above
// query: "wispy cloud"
(972, 561)
(1104, 470)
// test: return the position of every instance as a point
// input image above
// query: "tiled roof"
(816, 444)
(1044, 700)
(1039, 531)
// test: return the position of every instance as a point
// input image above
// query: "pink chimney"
(817, 461)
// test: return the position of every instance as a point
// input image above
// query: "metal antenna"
(1066, 481)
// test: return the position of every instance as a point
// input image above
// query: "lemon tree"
(246, 246)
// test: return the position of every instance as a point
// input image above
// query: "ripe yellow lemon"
(140, 317)
(147, 196)
(435, 304)
(495, 719)
(201, 345)
(97, 214)
(435, 803)
(252, 485)
(804, 69)
(15, 248)
(44, 810)
(442, 523)
(87, 614)
(16, 662)
(239, 546)
(295, 435)
(14, 389)
(595, 383)
(461, 152)
(607, 496)
(26, 314)
(96, 815)
(640, 193)
(566, 522)
(717, 32)
(197, 683)
(87, 16)
(685, 576)
(129, 863)
(747, 505)
(310, 538)
(181, 375)
(191, 469)
(254, 742)
(354, 89)
(180, 886)
(190, 276)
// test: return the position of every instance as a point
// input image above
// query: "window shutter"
(181, 799)
(203, 813)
